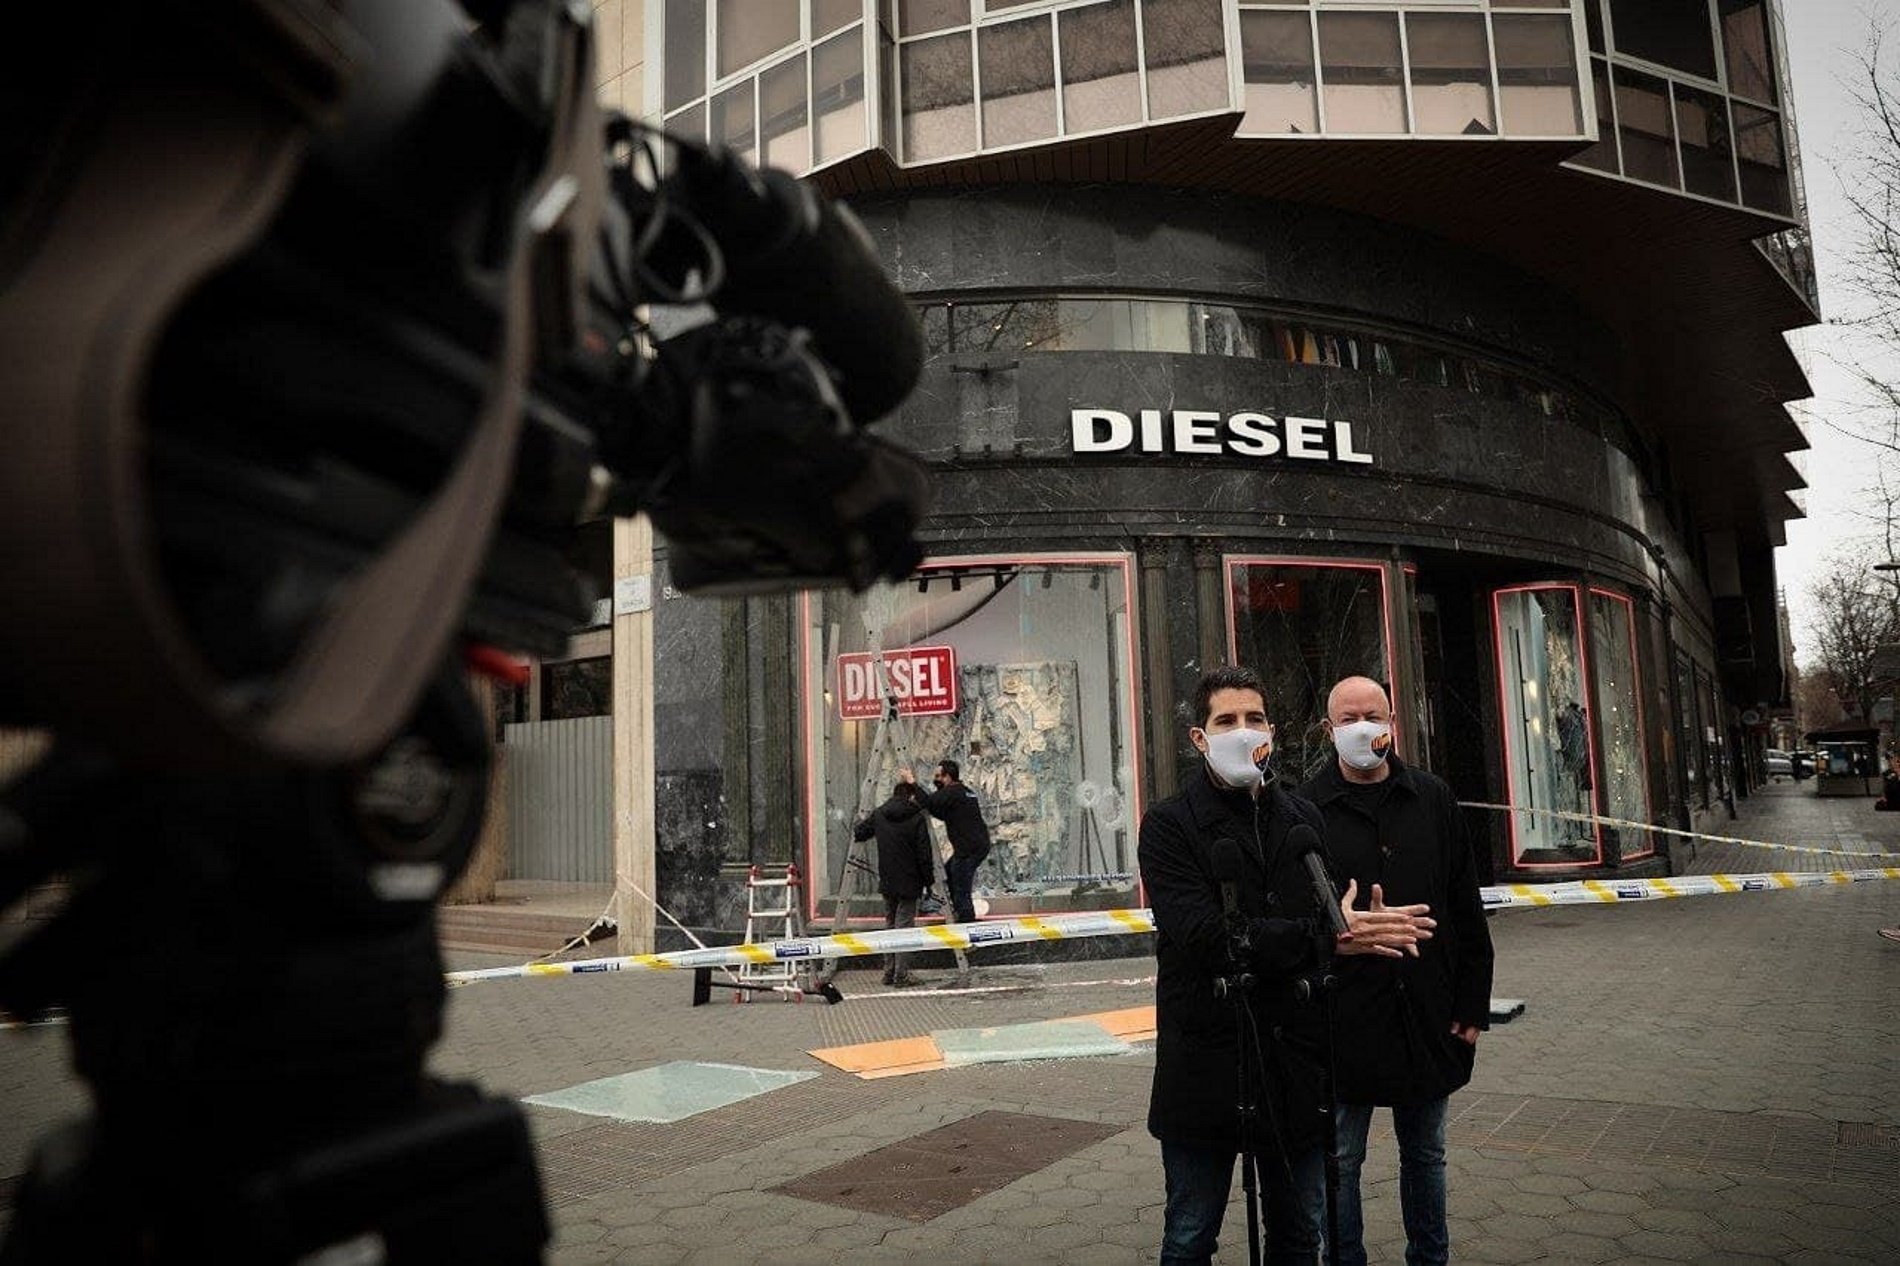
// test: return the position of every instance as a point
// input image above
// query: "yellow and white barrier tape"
(1062, 927)
(1626, 823)
(1586, 892)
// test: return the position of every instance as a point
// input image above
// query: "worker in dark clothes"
(905, 865)
(961, 813)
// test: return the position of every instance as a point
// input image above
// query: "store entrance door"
(1453, 650)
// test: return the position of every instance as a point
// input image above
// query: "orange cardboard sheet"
(906, 1055)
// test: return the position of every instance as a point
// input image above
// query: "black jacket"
(961, 813)
(1394, 1015)
(1197, 1040)
(906, 862)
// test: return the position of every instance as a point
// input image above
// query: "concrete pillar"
(634, 871)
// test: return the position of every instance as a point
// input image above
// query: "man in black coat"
(961, 813)
(906, 866)
(1406, 1029)
(1198, 1042)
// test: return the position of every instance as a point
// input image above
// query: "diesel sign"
(1187, 432)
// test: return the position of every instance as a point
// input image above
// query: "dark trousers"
(898, 913)
(1199, 1182)
(959, 875)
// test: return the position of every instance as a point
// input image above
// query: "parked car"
(1778, 764)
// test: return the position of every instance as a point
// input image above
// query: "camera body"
(334, 391)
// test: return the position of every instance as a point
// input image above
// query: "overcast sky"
(1824, 39)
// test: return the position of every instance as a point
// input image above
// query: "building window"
(1745, 49)
(837, 92)
(752, 30)
(685, 52)
(1614, 669)
(1547, 733)
(577, 688)
(939, 97)
(1276, 51)
(1019, 82)
(1303, 624)
(1364, 88)
(1672, 33)
(782, 118)
(1043, 726)
(1708, 155)
(1101, 79)
(1646, 126)
(1451, 74)
(1537, 75)
(1762, 159)
(1185, 45)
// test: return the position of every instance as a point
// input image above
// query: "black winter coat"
(1197, 1040)
(906, 860)
(1394, 1015)
(961, 813)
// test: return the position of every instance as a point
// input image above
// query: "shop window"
(1303, 625)
(1547, 738)
(1537, 75)
(1689, 736)
(1672, 33)
(752, 30)
(1101, 79)
(1751, 67)
(577, 688)
(1364, 90)
(1451, 74)
(837, 90)
(1019, 81)
(939, 98)
(1276, 51)
(1647, 128)
(1619, 707)
(1043, 724)
(1708, 155)
(1185, 44)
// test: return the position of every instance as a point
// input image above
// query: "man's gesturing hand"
(1389, 931)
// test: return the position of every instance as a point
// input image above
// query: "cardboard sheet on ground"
(1102, 1033)
(668, 1092)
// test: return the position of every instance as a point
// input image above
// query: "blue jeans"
(1198, 1183)
(1421, 1131)
(959, 875)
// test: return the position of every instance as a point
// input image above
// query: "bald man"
(1407, 1028)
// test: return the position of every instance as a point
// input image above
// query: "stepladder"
(774, 911)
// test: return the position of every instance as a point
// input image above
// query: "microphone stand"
(1326, 984)
(1237, 987)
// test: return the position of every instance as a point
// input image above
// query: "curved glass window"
(1009, 327)
(1620, 706)
(1548, 738)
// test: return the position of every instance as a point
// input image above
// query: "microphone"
(1304, 841)
(798, 257)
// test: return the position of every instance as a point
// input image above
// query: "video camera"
(323, 324)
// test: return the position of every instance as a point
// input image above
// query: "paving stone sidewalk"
(1710, 1079)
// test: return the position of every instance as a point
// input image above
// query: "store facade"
(1423, 342)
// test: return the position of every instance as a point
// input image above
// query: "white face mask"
(1363, 744)
(1236, 756)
